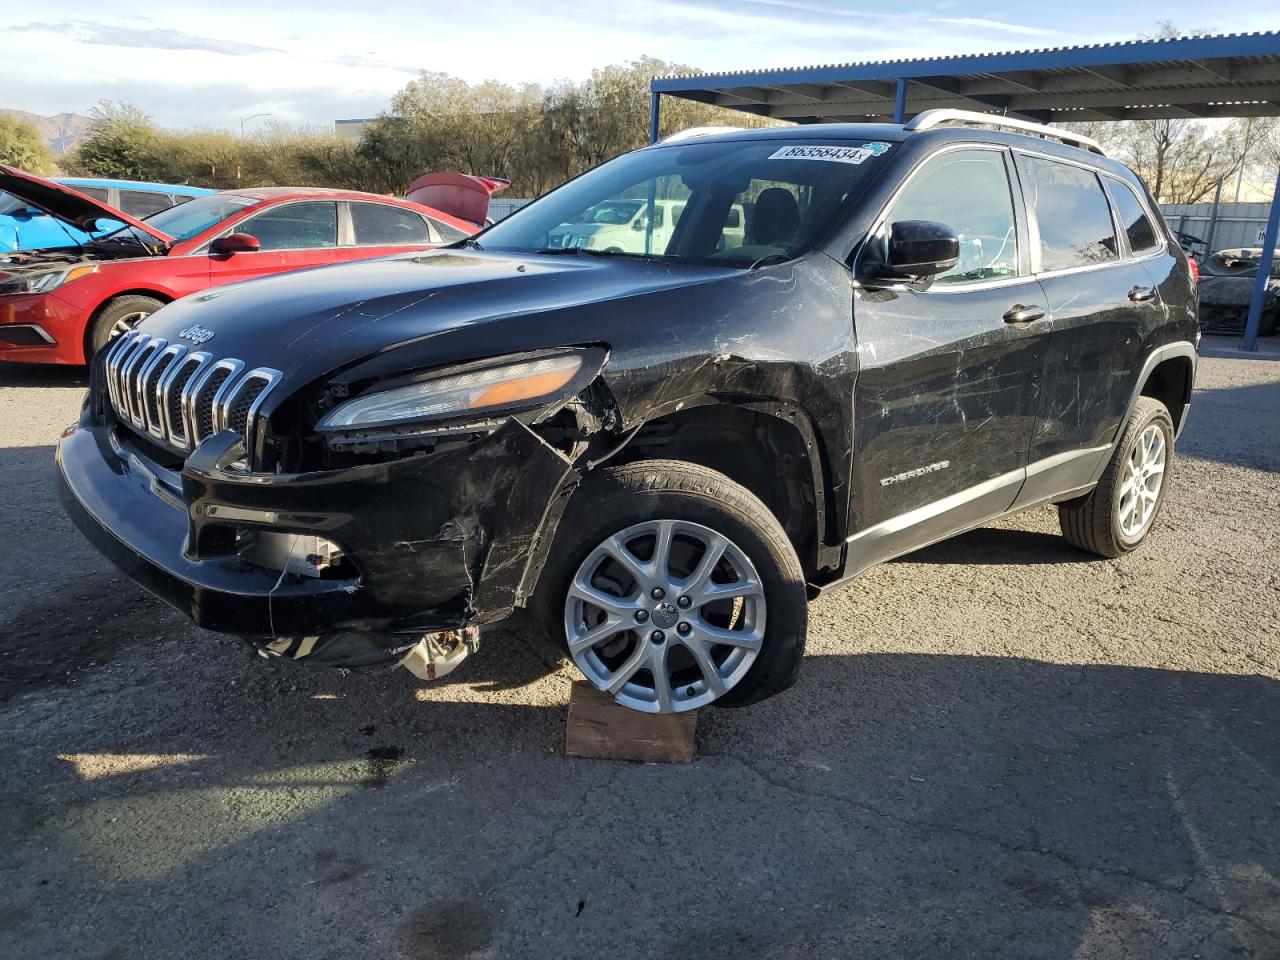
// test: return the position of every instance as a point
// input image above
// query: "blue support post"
(900, 102)
(1250, 342)
(1213, 220)
(654, 109)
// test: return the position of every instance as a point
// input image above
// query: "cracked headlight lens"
(478, 390)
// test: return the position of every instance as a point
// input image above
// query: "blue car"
(23, 227)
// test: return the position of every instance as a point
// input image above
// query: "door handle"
(1020, 313)
(1142, 294)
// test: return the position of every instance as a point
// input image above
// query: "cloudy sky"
(211, 64)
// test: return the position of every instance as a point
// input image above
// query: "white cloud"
(997, 25)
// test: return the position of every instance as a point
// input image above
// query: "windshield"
(195, 216)
(735, 203)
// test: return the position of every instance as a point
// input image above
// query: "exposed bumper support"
(436, 541)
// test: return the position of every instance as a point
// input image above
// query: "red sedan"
(60, 305)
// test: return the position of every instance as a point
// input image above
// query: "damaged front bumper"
(435, 541)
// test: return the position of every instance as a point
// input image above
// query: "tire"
(120, 311)
(693, 505)
(1099, 522)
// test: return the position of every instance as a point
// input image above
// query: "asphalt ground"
(999, 747)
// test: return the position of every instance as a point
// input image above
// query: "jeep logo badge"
(196, 334)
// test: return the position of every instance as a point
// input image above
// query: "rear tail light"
(1195, 270)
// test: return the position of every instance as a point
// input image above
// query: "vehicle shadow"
(1236, 425)
(890, 805)
(42, 375)
(1001, 545)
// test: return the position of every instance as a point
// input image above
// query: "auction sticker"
(830, 154)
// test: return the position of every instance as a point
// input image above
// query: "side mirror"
(639, 224)
(235, 243)
(917, 249)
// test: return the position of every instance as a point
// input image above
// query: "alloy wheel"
(1140, 484)
(128, 322)
(665, 616)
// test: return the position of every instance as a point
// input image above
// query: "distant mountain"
(62, 131)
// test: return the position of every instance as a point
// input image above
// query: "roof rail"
(691, 132)
(937, 118)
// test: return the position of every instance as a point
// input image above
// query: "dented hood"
(312, 322)
(66, 204)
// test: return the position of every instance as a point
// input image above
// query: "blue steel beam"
(1102, 55)
(655, 107)
(1264, 273)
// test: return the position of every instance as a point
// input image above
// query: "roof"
(143, 185)
(1228, 75)
(277, 193)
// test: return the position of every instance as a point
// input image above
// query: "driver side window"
(968, 191)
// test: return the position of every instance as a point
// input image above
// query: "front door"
(946, 394)
(290, 236)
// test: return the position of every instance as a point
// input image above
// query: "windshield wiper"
(471, 243)
(589, 252)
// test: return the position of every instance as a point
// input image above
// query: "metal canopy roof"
(1235, 75)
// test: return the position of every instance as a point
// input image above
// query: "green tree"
(123, 142)
(22, 146)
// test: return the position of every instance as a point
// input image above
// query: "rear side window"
(379, 223)
(98, 193)
(139, 204)
(968, 191)
(295, 226)
(1072, 213)
(1133, 218)
(448, 232)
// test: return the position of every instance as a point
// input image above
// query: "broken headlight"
(473, 391)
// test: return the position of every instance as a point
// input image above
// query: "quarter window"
(1072, 213)
(448, 232)
(379, 223)
(1133, 218)
(139, 204)
(295, 226)
(968, 191)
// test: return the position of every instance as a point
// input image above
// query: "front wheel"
(1117, 516)
(673, 588)
(120, 316)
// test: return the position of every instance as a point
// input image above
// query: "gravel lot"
(1000, 747)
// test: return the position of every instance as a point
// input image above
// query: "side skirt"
(1060, 477)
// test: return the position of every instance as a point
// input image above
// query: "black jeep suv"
(663, 406)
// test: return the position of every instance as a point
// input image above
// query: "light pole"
(252, 116)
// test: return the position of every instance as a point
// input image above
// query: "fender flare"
(1179, 348)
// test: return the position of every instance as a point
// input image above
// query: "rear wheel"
(673, 588)
(1117, 516)
(120, 316)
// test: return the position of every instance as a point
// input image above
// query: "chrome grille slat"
(138, 388)
(170, 357)
(173, 388)
(127, 371)
(182, 398)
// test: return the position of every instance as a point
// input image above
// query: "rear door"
(377, 229)
(1102, 304)
(291, 235)
(947, 390)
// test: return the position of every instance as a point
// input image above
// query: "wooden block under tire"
(599, 728)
